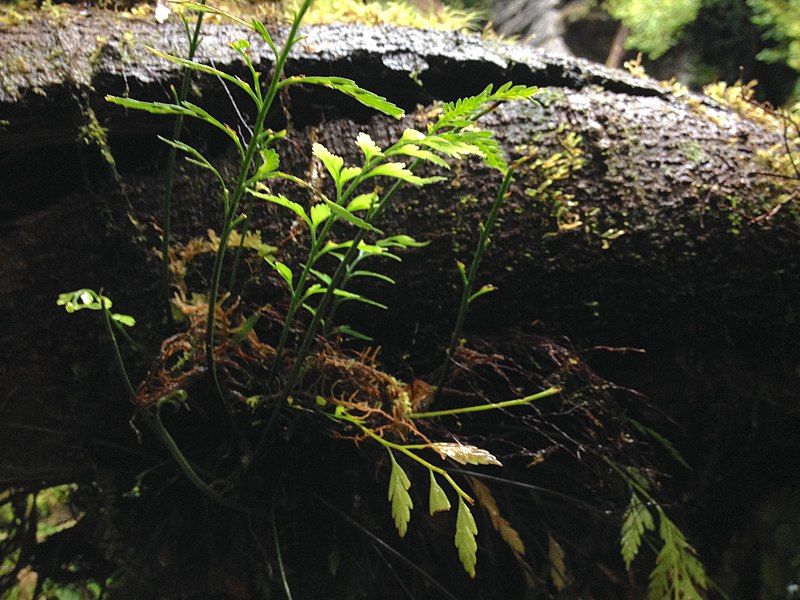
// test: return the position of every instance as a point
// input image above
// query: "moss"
(548, 173)
(393, 12)
(694, 152)
(94, 134)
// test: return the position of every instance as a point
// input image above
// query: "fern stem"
(401, 448)
(239, 190)
(469, 284)
(194, 43)
(154, 422)
(300, 286)
(491, 406)
(281, 567)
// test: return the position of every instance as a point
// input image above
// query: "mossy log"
(637, 226)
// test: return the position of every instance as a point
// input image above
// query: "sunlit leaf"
(462, 269)
(466, 454)
(493, 155)
(331, 161)
(412, 135)
(398, 170)
(319, 213)
(314, 289)
(372, 274)
(282, 200)
(204, 115)
(346, 296)
(323, 277)
(399, 497)
(362, 202)
(239, 45)
(259, 28)
(83, 298)
(350, 88)
(465, 111)
(89, 299)
(209, 70)
(437, 500)
(349, 173)
(205, 8)
(486, 289)
(451, 144)
(417, 152)
(466, 530)
(368, 146)
(282, 270)
(350, 217)
(270, 162)
(199, 159)
(156, 108)
(126, 320)
(401, 241)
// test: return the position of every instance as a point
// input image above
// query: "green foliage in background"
(656, 25)
(724, 33)
(781, 22)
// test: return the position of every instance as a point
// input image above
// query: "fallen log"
(647, 218)
(647, 206)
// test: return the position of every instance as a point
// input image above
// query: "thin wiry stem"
(347, 518)
(469, 282)
(490, 406)
(405, 450)
(281, 567)
(154, 422)
(239, 190)
(194, 43)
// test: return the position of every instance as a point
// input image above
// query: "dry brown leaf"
(507, 532)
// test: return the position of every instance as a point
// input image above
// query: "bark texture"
(658, 183)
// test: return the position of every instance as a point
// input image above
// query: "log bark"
(659, 183)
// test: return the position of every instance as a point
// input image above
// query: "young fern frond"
(469, 278)
(437, 499)
(448, 143)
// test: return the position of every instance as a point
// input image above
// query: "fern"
(635, 522)
(502, 526)
(438, 499)
(399, 497)
(558, 565)
(466, 530)
(678, 573)
(463, 112)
